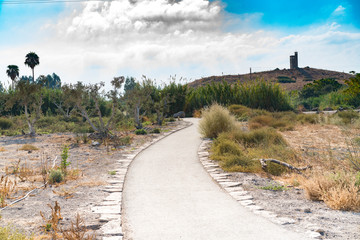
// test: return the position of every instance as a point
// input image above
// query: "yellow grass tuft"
(28, 147)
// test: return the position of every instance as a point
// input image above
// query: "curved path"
(168, 195)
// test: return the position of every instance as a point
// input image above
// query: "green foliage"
(112, 173)
(155, 130)
(11, 233)
(284, 79)
(264, 137)
(216, 120)
(354, 90)
(320, 87)
(5, 123)
(258, 95)
(56, 176)
(140, 132)
(64, 157)
(274, 187)
(348, 116)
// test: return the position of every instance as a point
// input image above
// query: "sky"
(93, 41)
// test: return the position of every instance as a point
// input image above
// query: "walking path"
(168, 195)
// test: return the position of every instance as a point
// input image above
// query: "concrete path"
(168, 195)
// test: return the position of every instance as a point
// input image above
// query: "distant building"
(294, 63)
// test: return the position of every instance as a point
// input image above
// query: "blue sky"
(193, 39)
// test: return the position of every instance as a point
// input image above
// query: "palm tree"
(32, 60)
(13, 72)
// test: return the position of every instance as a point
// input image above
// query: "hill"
(290, 79)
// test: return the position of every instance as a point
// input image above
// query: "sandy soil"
(90, 166)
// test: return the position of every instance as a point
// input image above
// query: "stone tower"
(294, 64)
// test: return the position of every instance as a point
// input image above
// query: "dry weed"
(66, 193)
(51, 223)
(2, 149)
(7, 187)
(92, 183)
(77, 231)
(338, 190)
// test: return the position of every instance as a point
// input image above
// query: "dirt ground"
(311, 141)
(91, 167)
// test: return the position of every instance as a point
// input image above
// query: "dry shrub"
(197, 114)
(91, 183)
(77, 231)
(308, 118)
(28, 147)
(339, 191)
(7, 187)
(216, 120)
(280, 120)
(51, 223)
(12, 233)
(2, 149)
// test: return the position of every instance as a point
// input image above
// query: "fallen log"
(298, 170)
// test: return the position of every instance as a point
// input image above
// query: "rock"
(180, 114)
(95, 144)
(321, 231)
(307, 210)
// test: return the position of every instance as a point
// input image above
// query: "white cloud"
(159, 38)
(117, 19)
(339, 10)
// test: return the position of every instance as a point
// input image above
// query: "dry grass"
(11, 233)
(2, 149)
(216, 120)
(7, 187)
(65, 192)
(28, 147)
(77, 231)
(340, 190)
(93, 183)
(197, 113)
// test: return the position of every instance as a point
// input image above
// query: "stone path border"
(111, 207)
(238, 193)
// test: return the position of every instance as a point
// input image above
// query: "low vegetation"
(336, 182)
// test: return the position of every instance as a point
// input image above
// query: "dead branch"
(298, 170)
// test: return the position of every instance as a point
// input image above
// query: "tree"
(82, 96)
(320, 87)
(139, 100)
(354, 89)
(129, 84)
(28, 95)
(12, 72)
(27, 79)
(32, 60)
(50, 81)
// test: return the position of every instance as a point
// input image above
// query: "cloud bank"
(158, 38)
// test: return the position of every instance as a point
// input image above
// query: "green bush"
(348, 116)
(56, 176)
(5, 123)
(140, 132)
(284, 79)
(155, 130)
(216, 120)
(258, 137)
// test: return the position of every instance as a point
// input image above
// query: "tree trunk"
(30, 123)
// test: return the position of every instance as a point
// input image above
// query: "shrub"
(258, 137)
(28, 147)
(5, 123)
(216, 120)
(348, 116)
(284, 79)
(10, 233)
(338, 190)
(308, 118)
(155, 130)
(140, 132)
(56, 176)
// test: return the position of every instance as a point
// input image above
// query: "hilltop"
(290, 79)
